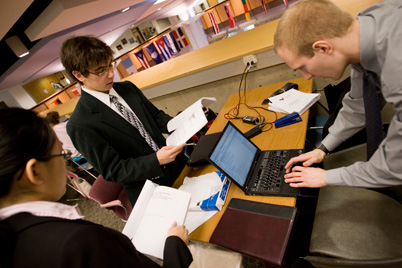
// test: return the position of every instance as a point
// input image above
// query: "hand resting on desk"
(306, 176)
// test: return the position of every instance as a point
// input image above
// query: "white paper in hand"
(188, 122)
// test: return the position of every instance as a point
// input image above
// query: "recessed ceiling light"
(24, 54)
(124, 10)
(159, 1)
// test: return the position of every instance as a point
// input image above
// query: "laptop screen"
(234, 154)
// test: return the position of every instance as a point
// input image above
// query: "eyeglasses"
(104, 70)
(66, 154)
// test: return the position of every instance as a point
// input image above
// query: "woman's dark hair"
(23, 135)
(81, 53)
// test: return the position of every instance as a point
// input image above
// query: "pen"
(190, 144)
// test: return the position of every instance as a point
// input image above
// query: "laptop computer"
(256, 172)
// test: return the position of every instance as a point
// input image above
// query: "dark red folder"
(256, 229)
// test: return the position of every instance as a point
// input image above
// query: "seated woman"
(35, 230)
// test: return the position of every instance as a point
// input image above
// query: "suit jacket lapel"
(110, 117)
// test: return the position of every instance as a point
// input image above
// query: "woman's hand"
(179, 231)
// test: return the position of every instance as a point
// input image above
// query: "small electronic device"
(253, 120)
(250, 120)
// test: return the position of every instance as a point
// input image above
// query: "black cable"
(235, 111)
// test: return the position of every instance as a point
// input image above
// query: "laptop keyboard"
(270, 169)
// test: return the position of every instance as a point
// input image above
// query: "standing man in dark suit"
(116, 128)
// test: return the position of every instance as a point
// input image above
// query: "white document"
(153, 214)
(188, 122)
(293, 100)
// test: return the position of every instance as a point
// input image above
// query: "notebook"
(259, 230)
(256, 172)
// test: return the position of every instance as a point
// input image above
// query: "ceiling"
(43, 25)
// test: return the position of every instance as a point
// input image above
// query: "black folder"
(259, 230)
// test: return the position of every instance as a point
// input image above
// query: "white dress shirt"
(43, 209)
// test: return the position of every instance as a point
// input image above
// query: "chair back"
(355, 227)
(103, 191)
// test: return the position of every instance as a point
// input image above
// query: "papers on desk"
(188, 122)
(293, 101)
(208, 195)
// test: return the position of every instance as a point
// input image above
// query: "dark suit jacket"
(53, 242)
(115, 148)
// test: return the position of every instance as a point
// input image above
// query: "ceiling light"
(17, 46)
(124, 10)
(24, 54)
(159, 1)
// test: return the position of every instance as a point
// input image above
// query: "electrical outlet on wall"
(250, 60)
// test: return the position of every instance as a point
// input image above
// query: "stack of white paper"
(292, 101)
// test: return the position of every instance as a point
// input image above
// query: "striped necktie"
(133, 120)
(374, 129)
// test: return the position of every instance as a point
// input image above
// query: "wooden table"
(289, 137)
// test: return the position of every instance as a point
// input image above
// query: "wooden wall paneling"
(40, 108)
(222, 13)
(74, 90)
(207, 20)
(62, 98)
(218, 19)
(121, 69)
(70, 93)
(204, 24)
(237, 6)
(254, 4)
(212, 3)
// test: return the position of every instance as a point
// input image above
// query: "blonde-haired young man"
(320, 40)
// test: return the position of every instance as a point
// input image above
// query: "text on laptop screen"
(234, 154)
